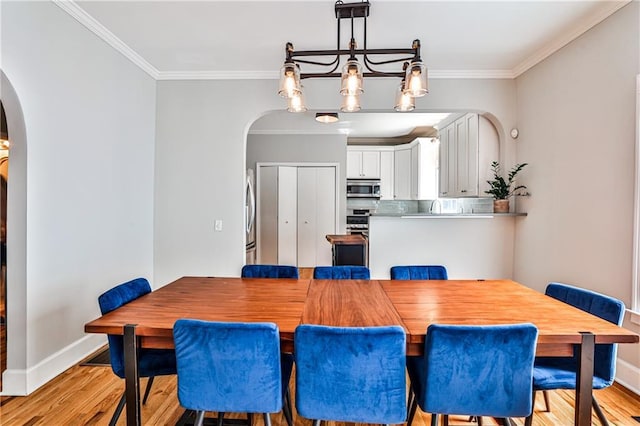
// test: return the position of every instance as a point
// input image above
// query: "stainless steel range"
(358, 221)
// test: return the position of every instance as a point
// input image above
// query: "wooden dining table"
(147, 322)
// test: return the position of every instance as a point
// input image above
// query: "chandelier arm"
(335, 62)
(365, 74)
(390, 61)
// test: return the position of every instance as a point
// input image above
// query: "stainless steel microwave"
(363, 188)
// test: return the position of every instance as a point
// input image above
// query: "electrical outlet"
(218, 225)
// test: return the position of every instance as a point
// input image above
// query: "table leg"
(584, 380)
(131, 379)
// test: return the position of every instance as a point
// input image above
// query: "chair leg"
(199, 418)
(547, 404)
(434, 419)
(479, 419)
(599, 412)
(317, 422)
(250, 419)
(119, 407)
(147, 389)
(528, 421)
(267, 419)
(446, 419)
(220, 418)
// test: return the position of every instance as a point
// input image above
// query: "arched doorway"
(4, 177)
(13, 382)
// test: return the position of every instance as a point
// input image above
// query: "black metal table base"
(189, 416)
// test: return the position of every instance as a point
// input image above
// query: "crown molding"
(98, 29)
(568, 36)
(274, 75)
(471, 74)
(218, 75)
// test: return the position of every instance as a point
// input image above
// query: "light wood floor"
(88, 396)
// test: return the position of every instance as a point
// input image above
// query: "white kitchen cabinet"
(386, 175)
(363, 164)
(467, 148)
(296, 209)
(316, 215)
(402, 173)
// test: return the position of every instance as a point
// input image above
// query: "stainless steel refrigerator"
(250, 217)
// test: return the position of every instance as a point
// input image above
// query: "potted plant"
(502, 189)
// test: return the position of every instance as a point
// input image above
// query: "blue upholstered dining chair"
(351, 374)
(419, 272)
(269, 271)
(494, 379)
(151, 362)
(229, 367)
(341, 273)
(551, 373)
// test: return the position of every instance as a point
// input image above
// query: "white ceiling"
(246, 39)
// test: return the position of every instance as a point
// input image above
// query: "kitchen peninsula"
(470, 245)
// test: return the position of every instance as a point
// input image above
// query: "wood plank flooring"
(88, 396)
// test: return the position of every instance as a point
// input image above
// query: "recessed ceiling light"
(327, 117)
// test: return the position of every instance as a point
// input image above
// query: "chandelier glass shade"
(359, 64)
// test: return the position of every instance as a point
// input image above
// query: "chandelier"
(413, 75)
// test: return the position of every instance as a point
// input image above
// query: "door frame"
(335, 165)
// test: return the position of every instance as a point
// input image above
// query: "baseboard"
(628, 375)
(16, 382)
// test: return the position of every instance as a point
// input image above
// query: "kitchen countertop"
(347, 239)
(427, 215)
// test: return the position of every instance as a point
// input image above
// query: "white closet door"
(307, 222)
(316, 215)
(326, 213)
(287, 215)
(267, 215)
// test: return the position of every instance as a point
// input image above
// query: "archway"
(13, 379)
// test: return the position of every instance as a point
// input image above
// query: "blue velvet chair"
(341, 273)
(151, 362)
(494, 379)
(229, 367)
(269, 271)
(551, 373)
(419, 272)
(351, 374)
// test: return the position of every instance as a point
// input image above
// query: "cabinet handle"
(306, 221)
(464, 190)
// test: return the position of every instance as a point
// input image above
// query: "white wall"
(89, 116)
(200, 157)
(576, 114)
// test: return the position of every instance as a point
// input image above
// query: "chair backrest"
(351, 374)
(419, 272)
(113, 299)
(341, 273)
(478, 370)
(269, 271)
(600, 305)
(228, 367)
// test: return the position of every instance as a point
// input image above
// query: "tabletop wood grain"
(358, 303)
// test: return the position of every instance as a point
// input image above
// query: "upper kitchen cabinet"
(416, 168)
(363, 163)
(468, 145)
